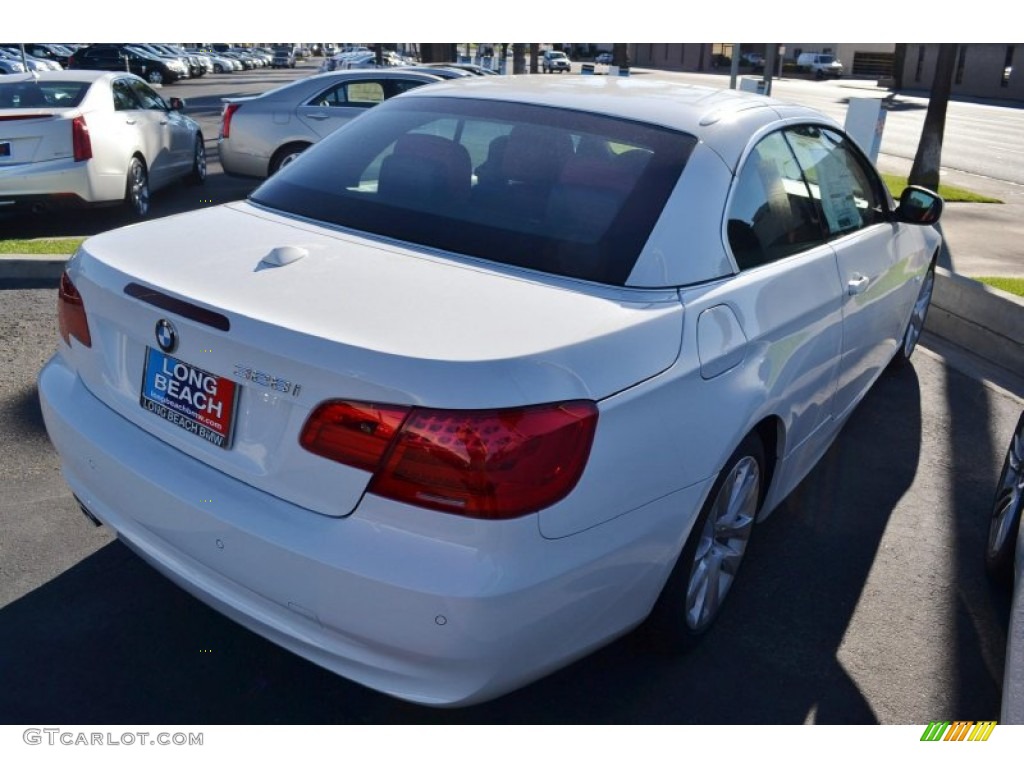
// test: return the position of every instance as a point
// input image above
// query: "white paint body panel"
(435, 607)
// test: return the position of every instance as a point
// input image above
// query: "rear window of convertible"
(565, 192)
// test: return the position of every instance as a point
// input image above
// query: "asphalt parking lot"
(864, 598)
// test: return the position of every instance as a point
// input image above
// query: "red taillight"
(356, 434)
(80, 140)
(225, 119)
(71, 313)
(494, 464)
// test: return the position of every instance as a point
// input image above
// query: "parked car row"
(157, 63)
(358, 57)
(161, 64)
(11, 61)
(156, 68)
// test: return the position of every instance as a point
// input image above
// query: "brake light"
(71, 313)
(225, 120)
(492, 464)
(357, 434)
(80, 141)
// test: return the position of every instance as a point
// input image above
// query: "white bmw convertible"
(492, 375)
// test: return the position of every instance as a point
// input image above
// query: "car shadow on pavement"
(892, 104)
(112, 641)
(66, 223)
(22, 414)
(173, 199)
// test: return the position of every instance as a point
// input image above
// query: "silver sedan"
(261, 134)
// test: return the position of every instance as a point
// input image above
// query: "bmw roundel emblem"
(166, 336)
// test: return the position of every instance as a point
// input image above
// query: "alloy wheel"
(723, 542)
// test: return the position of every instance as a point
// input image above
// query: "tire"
(155, 77)
(136, 192)
(706, 569)
(218, 69)
(1001, 548)
(198, 172)
(285, 155)
(915, 325)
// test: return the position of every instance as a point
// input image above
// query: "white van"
(820, 64)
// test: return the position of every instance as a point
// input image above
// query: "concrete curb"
(25, 267)
(982, 320)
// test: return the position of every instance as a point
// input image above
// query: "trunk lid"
(290, 314)
(34, 135)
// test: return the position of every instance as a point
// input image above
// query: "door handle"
(858, 284)
(130, 122)
(317, 115)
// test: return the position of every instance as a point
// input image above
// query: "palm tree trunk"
(899, 62)
(620, 55)
(928, 160)
(518, 58)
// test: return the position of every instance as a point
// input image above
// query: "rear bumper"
(424, 606)
(40, 203)
(236, 163)
(55, 183)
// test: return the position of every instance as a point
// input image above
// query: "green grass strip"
(1014, 285)
(950, 194)
(44, 245)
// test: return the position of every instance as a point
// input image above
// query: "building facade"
(983, 70)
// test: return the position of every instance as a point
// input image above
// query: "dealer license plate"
(196, 400)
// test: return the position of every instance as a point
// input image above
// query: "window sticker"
(837, 199)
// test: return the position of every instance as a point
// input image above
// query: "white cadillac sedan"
(82, 137)
(491, 375)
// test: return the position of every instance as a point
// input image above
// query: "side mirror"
(177, 104)
(919, 205)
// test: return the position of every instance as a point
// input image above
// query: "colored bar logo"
(959, 730)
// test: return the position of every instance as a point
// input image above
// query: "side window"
(772, 214)
(848, 189)
(123, 98)
(365, 94)
(351, 94)
(401, 86)
(147, 97)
